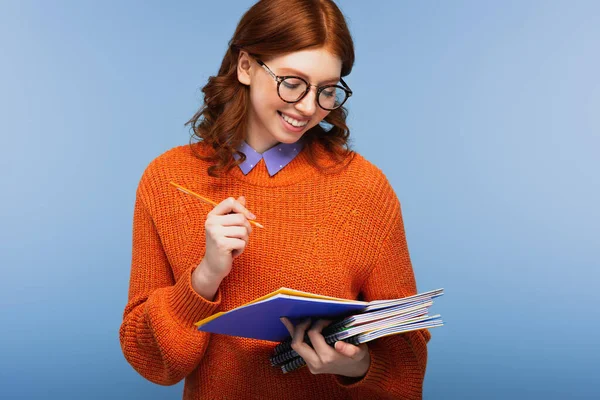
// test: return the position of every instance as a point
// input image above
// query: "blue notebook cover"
(260, 320)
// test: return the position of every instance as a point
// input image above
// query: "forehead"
(318, 65)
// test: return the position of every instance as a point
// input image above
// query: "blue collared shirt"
(275, 158)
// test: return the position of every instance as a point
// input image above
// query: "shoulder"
(364, 196)
(165, 163)
(355, 168)
(370, 189)
(366, 168)
(369, 177)
(361, 186)
(176, 157)
(176, 164)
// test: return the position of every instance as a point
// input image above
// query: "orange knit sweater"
(335, 234)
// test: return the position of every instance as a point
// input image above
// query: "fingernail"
(252, 216)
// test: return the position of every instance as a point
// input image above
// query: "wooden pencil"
(204, 199)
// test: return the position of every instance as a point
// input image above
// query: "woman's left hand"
(342, 359)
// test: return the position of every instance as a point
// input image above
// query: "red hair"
(268, 29)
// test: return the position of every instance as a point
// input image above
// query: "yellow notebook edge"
(286, 291)
(208, 319)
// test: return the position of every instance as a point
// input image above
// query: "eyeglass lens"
(292, 89)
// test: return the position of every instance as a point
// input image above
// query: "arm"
(398, 362)
(157, 334)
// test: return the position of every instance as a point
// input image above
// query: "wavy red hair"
(268, 29)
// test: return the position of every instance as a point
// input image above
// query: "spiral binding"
(283, 357)
(279, 358)
(292, 354)
(286, 345)
(293, 365)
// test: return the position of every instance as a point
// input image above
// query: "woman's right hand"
(227, 232)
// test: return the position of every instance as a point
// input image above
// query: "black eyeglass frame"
(280, 79)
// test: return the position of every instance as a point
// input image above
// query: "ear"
(243, 68)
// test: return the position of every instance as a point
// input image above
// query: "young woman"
(273, 148)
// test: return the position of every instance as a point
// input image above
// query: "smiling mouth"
(293, 122)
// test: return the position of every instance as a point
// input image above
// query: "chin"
(290, 140)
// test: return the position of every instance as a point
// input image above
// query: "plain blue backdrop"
(483, 115)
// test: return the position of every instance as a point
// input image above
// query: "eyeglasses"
(292, 89)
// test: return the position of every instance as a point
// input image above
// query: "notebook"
(260, 318)
(289, 360)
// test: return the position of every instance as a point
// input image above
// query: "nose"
(308, 105)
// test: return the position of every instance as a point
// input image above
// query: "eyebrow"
(298, 73)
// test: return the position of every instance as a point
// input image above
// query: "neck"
(256, 140)
(259, 144)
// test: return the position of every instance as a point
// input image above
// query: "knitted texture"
(337, 234)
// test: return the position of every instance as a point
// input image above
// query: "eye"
(328, 92)
(290, 85)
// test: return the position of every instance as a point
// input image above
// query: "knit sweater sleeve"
(397, 362)
(157, 334)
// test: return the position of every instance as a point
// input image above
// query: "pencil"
(204, 199)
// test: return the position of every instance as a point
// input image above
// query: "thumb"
(342, 347)
(242, 200)
(346, 349)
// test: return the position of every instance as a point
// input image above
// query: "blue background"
(483, 115)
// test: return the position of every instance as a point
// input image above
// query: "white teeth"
(293, 122)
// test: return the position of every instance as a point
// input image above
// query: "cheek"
(265, 100)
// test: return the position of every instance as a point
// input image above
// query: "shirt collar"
(275, 158)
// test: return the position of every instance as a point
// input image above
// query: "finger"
(231, 220)
(230, 205)
(242, 201)
(235, 219)
(288, 325)
(299, 331)
(349, 350)
(231, 244)
(235, 232)
(319, 325)
(318, 340)
(303, 349)
(235, 252)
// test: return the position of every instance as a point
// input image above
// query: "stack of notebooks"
(353, 321)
